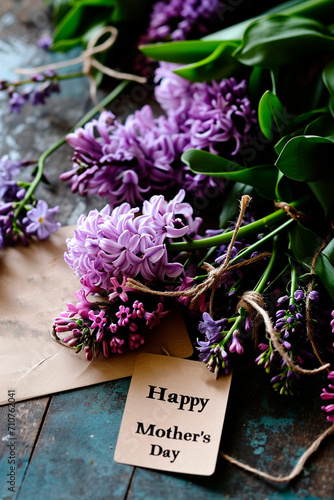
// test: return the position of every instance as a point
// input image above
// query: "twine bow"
(88, 62)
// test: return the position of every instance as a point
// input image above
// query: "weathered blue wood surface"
(66, 442)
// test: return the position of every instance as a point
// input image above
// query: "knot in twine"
(88, 62)
(215, 275)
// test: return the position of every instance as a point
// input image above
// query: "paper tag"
(173, 416)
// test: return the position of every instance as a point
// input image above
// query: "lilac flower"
(299, 295)
(328, 395)
(45, 42)
(16, 102)
(236, 346)
(119, 289)
(123, 315)
(314, 296)
(210, 327)
(40, 220)
(153, 318)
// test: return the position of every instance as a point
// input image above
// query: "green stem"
(231, 330)
(259, 288)
(40, 169)
(254, 228)
(264, 279)
(258, 243)
(294, 283)
(57, 78)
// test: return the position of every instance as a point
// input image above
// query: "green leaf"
(262, 177)
(304, 244)
(231, 204)
(283, 190)
(323, 190)
(325, 268)
(180, 52)
(306, 158)
(126, 10)
(278, 40)
(218, 65)
(321, 126)
(328, 78)
(81, 18)
(270, 111)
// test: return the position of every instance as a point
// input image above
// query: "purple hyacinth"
(182, 19)
(328, 396)
(214, 116)
(124, 162)
(109, 243)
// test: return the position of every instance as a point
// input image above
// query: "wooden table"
(65, 442)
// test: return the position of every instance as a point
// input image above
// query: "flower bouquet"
(222, 200)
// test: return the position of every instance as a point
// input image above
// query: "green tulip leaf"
(306, 158)
(218, 65)
(277, 40)
(262, 177)
(231, 206)
(180, 52)
(328, 78)
(270, 113)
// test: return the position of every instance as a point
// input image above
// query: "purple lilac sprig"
(215, 348)
(35, 90)
(290, 326)
(35, 218)
(109, 327)
(117, 242)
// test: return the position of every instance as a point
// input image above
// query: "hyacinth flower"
(116, 242)
(108, 327)
(21, 216)
(131, 161)
(177, 20)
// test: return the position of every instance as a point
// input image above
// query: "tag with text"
(173, 416)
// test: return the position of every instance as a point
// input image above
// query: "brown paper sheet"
(35, 284)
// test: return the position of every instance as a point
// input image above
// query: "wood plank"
(74, 454)
(25, 422)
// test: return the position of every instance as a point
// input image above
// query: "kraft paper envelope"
(35, 284)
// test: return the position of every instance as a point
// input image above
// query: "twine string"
(88, 62)
(215, 275)
(295, 471)
(291, 211)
